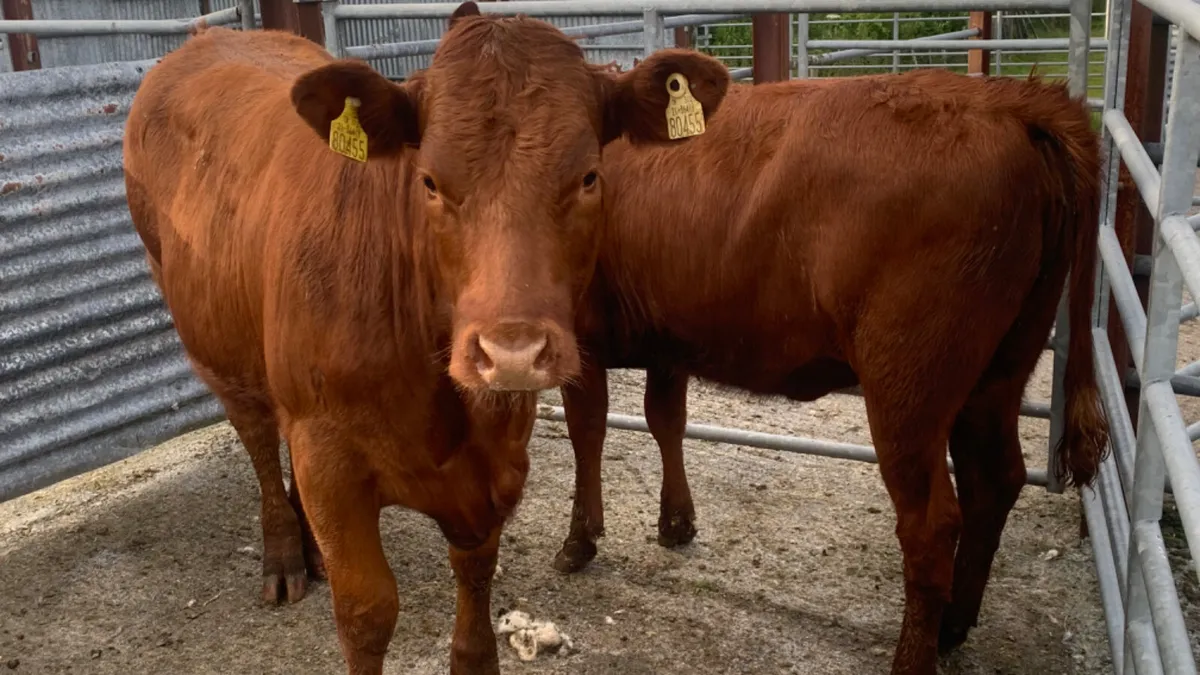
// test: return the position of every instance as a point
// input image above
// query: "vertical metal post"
(329, 13)
(246, 9)
(895, 36)
(1077, 55)
(653, 31)
(802, 46)
(998, 33)
(1181, 149)
(1078, 42)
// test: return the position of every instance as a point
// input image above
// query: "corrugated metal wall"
(91, 370)
(73, 51)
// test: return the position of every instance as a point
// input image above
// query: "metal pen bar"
(422, 47)
(1182, 468)
(1165, 611)
(756, 439)
(1183, 13)
(1145, 175)
(1112, 396)
(1181, 239)
(542, 8)
(329, 15)
(834, 57)
(246, 12)
(1124, 293)
(1163, 448)
(1078, 41)
(653, 32)
(1114, 98)
(83, 27)
(932, 44)
(740, 73)
(1116, 518)
(1106, 577)
(803, 59)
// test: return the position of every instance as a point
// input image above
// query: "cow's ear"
(468, 8)
(388, 113)
(635, 102)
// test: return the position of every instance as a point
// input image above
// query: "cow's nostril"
(478, 354)
(545, 356)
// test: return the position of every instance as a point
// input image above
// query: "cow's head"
(509, 121)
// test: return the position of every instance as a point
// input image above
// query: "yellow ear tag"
(346, 135)
(685, 115)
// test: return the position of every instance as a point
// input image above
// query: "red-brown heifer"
(911, 234)
(392, 317)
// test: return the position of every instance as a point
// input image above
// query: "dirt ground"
(151, 565)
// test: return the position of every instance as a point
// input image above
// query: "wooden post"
(279, 15)
(309, 21)
(24, 47)
(771, 46)
(979, 61)
(683, 37)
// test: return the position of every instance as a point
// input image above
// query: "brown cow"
(393, 318)
(909, 233)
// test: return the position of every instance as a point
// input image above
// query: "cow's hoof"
(951, 637)
(285, 576)
(675, 530)
(574, 555)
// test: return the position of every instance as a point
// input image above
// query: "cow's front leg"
(473, 651)
(343, 510)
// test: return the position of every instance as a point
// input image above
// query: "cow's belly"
(211, 307)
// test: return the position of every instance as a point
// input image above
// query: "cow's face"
(509, 120)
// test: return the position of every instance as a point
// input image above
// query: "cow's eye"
(589, 180)
(430, 186)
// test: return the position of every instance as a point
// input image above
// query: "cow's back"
(803, 198)
(202, 133)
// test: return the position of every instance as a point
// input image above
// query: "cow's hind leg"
(284, 568)
(912, 461)
(986, 447)
(990, 473)
(665, 403)
(917, 374)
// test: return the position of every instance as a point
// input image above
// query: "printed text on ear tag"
(685, 115)
(346, 135)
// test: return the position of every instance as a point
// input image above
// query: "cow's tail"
(1071, 149)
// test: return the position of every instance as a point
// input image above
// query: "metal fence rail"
(1141, 605)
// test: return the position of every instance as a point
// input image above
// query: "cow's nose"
(515, 357)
